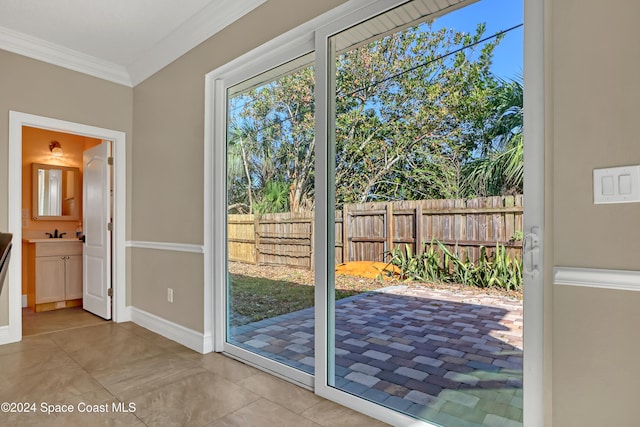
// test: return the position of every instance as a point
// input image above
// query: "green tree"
(276, 122)
(500, 170)
(239, 182)
(275, 198)
(411, 110)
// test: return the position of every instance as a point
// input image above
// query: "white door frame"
(534, 213)
(17, 120)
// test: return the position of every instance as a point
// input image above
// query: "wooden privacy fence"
(271, 239)
(367, 231)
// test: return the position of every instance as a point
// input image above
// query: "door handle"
(83, 238)
(531, 253)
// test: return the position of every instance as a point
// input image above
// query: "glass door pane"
(270, 200)
(427, 160)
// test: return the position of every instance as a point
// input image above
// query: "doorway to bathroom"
(20, 125)
(54, 209)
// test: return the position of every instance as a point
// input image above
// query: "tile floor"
(124, 375)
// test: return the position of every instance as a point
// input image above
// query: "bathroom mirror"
(55, 192)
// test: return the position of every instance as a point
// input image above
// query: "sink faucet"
(55, 235)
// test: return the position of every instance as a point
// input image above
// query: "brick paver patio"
(454, 358)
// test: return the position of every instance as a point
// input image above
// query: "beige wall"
(33, 87)
(180, 271)
(168, 154)
(596, 89)
(595, 58)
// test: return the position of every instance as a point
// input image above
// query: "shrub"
(437, 263)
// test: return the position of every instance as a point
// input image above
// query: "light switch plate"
(616, 185)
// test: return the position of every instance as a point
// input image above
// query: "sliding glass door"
(373, 213)
(269, 211)
(425, 209)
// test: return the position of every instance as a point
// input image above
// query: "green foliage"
(499, 173)
(518, 236)
(410, 116)
(271, 127)
(500, 168)
(275, 198)
(437, 263)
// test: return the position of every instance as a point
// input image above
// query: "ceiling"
(124, 41)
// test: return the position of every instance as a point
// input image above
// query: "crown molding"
(210, 20)
(42, 50)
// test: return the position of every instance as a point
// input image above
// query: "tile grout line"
(89, 373)
(39, 334)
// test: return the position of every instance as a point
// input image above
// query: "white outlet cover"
(616, 185)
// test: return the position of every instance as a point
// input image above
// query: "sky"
(499, 15)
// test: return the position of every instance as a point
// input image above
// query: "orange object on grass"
(368, 269)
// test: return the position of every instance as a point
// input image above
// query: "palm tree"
(238, 164)
(501, 170)
(275, 198)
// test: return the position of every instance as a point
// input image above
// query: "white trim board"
(5, 334)
(621, 280)
(165, 246)
(196, 341)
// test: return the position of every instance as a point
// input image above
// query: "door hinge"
(110, 161)
(110, 292)
(110, 226)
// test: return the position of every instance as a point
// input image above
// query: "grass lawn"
(257, 298)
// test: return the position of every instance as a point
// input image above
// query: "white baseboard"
(4, 335)
(122, 314)
(625, 280)
(194, 340)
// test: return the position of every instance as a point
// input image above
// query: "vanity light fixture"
(56, 149)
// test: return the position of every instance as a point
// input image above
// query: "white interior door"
(96, 216)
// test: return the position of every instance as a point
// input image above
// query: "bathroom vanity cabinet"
(54, 273)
